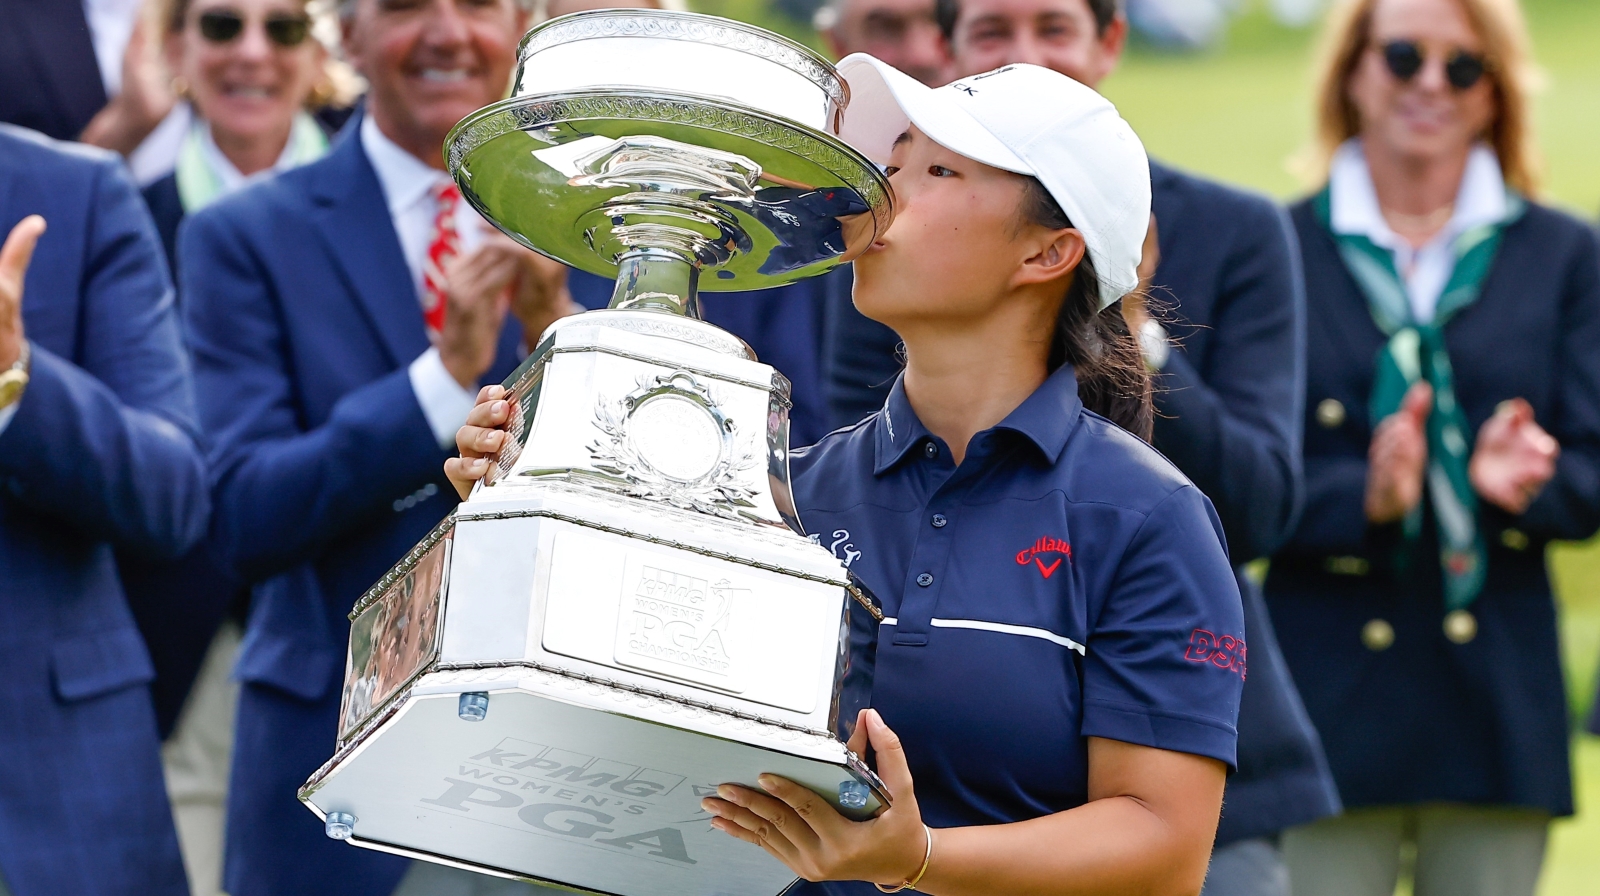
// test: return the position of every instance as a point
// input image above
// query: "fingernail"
(499, 407)
(767, 782)
(708, 806)
(728, 793)
(476, 463)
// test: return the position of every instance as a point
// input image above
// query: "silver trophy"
(625, 614)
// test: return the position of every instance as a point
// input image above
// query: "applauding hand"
(1513, 459)
(805, 832)
(14, 258)
(1397, 457)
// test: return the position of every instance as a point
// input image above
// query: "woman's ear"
(1056, 255)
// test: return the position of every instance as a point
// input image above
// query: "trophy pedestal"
(548, 685)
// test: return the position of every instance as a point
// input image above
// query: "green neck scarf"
(200, 184)
(1416, 351)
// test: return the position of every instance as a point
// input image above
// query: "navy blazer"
(49, 77)
(1415, 717)
(304, 318)
(100, 454)
(1228, 406)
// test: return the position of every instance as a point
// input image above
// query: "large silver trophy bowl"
(625, 614)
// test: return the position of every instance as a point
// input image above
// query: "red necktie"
(444, 245)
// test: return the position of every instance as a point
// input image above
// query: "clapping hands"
(1513, 458)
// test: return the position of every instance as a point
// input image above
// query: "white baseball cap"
(1028, 120)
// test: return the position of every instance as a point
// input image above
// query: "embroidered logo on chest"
(1047, 554)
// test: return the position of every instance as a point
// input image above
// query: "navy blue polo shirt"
(1064, 581)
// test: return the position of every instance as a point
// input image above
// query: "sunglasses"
(1405, 58)
(221, 26)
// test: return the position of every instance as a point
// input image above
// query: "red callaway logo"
(1222, 651)
(1045, 545)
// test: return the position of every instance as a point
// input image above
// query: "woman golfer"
(1058, 673)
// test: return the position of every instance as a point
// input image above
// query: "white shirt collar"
(1425, 270)
(406, 179)
(227, 174)
(1353, 201)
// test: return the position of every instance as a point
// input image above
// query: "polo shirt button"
(939, 521)
(930, 450)
(925, 579)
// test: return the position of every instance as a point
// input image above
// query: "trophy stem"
(657, 280)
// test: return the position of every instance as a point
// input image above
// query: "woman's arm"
(1147, 829)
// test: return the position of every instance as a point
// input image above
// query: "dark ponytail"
(1112, 379)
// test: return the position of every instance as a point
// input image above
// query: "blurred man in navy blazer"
(1229, 384)
(342, 317)
(97, 450)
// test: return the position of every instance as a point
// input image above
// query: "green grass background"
(1240, 111)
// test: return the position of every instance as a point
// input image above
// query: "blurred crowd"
(244, 310)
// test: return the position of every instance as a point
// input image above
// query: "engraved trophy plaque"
(624, 614)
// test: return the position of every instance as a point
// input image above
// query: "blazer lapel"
(360, 236)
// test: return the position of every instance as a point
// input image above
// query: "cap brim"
(885, 102)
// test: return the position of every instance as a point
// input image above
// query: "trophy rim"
(496, 120)
(782, 50)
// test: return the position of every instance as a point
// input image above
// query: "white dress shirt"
(1353, 209)
(408, 184)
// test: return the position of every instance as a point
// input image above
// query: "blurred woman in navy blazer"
(1453, 430)
(248, 69)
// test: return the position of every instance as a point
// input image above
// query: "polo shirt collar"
(1046, 418)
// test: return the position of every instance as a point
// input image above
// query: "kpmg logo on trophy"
(625, 613)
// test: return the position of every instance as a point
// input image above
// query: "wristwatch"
(15, 378)
(1154, 345)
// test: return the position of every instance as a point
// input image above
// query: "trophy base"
(564, 780)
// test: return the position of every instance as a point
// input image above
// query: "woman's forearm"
(1110, 846)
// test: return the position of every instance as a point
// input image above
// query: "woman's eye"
(940, 171)
(889, 170)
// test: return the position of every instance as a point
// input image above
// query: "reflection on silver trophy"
(624, 615)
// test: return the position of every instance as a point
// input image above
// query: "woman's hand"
(145, 99)
(479, 438)
(1397, 458)
(804, 832)
(1513, 459)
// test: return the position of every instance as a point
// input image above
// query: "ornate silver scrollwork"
(668, 440)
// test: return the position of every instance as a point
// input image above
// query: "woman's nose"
(253, 42)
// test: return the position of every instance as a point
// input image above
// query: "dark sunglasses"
(1405, 58)
(221, 26)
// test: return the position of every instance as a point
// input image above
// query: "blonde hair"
(1511, 72)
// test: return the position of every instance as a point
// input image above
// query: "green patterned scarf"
(1416, 351)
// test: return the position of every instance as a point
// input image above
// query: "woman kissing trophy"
(625, 614)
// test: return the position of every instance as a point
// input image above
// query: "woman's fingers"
(464, 471)
(1418, 402)
(479, 441)
(738, 806)
(820, 818)
(489, 414)
(892, 765)
(858, 736)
